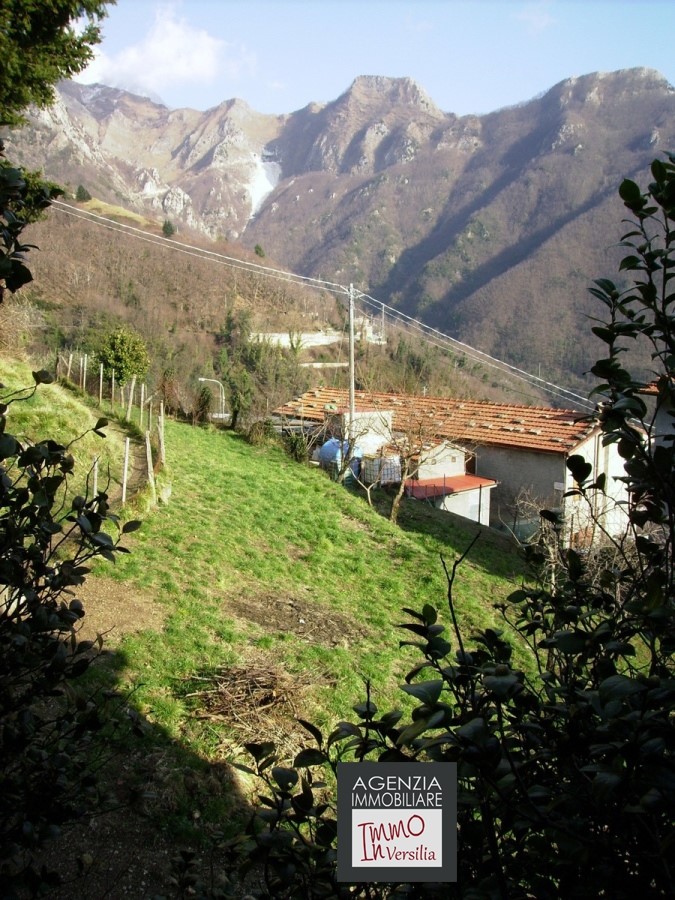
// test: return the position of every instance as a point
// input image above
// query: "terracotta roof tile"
(474, 422)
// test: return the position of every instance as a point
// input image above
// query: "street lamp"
(221, 415)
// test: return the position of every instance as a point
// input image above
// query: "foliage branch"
(23, 198)
(47, 538)
(566, 766)
(39, 46)
(47, 535)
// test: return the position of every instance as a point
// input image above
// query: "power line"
(190, 250)
(430, 335)
(434, 336)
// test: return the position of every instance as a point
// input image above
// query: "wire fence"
(132, 404)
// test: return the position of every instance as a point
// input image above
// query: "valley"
(490, 228)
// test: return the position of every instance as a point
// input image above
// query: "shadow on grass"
(162, 814)
(494, 553)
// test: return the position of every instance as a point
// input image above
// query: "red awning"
(430, 488)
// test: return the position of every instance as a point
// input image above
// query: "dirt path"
(123, 853)
(114, 608)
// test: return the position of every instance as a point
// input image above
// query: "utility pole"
(352, 403)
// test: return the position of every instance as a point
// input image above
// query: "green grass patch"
(256, 554)
(260, 564)
(120, 214)
(59, 414)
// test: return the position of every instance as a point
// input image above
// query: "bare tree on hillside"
(410, 441)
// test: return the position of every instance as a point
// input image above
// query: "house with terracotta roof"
(524, 449)
(434, 469)
(660, 418)
(440, 477)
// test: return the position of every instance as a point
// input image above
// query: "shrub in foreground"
(567, 776)
(47, 538)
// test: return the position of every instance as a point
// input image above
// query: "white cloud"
(172, 53)
(536, 16)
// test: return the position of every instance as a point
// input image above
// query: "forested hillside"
(199, 314)
(490, 228)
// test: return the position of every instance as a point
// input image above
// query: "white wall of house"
(546, 477)
(441, 461)
(474, 505)
(604, 511)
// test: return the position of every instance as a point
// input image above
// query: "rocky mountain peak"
(467, 221)
(235, 108)
(599, 87)
(377, 122)
(101, 102)
(376, 89)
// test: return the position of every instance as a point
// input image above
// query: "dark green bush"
(47, 538)
(124, 352)
(261, 432)
(296, 446)
(566, 777)
(202, 405)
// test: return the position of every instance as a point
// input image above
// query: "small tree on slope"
(124, 352)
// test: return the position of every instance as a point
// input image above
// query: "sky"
(471, 56)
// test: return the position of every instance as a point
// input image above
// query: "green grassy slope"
(258, 558)
(60, 414)
(264, 568)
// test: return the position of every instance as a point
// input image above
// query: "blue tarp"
(331, 454)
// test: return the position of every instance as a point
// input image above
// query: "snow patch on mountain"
(264, 178)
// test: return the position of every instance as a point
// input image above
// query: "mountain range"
(490, 228)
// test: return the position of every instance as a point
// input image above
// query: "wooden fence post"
(160, 432)
(141, 417)
(100, 385)
(70, 363)
(96, 476)
(131, 397)
(151, 474)
(125, 471)
(84, 373)
(112, 391)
